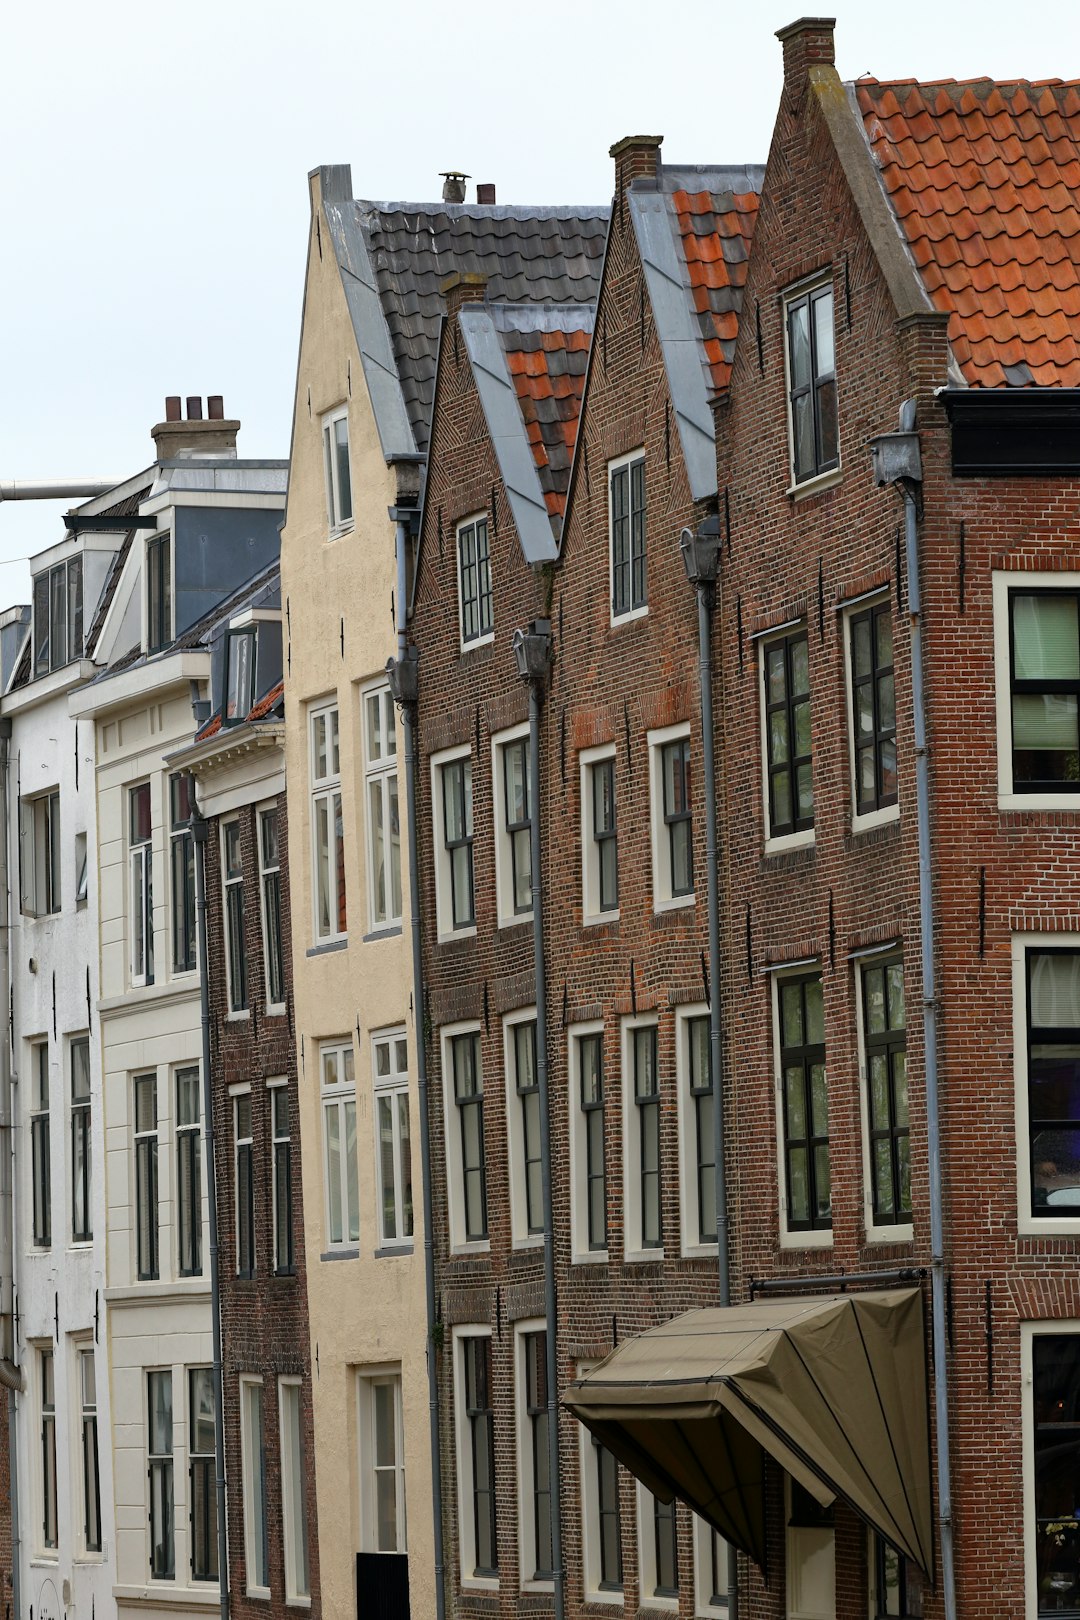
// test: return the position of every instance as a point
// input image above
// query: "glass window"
(591, 1075)
(146, 1176)
(517, 796)
(382, 1461)
(527, 1089)
(887, 1091)
(336, 465)
(1053, 1080)
(182, 870)
(468, 1076)
(160, 1437)
(534, 1346)
(626, 493)
(662, 1579)
(253, 1466)
(82, 874)
(81, 1156)
(41, 1147)
(605, 853)
(189, 1172)
(702, 1115)
(1056, 1369)
(270, 880)
(91, 1479)
(140, 850)
(383, 822)
(284, 1259)
(474, 574)
(203, 1487)
(47, 1375)
(675, 767)
(812, 383)
(394, 1148)
(293, 1489)
(39, 854)
(895, 1586)
(240, 648)
(647, 1104)
(326, 826)
(236, 944)
(159, 622)
(479, 1415)
(609, 1517)
(339, 1147)
(58, 616)
(458, 839)
(786, 668)
(1044, 647)
(805, 1104)
(873, 708)
(244, 1181)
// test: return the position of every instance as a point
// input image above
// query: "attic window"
(339, 504)
(239, 676)
(159, 619)
(58, 616)
(811, 364)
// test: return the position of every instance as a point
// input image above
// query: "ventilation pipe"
(55, 489)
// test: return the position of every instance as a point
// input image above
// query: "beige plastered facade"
(367, 1311)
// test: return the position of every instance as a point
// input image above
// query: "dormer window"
(58, 616)
(159, 617)
(239, 676)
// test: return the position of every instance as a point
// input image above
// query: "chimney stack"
(463, 287)
(453, 190)
(195, 437)
(485, 196)
(807, 43)
(636, 158)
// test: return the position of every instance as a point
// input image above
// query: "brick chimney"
(636, 158)
(463, 287)
(186, 437)
(807, 43)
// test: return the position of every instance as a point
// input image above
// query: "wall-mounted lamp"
(404, 676)
(532, 649)
(701, 551)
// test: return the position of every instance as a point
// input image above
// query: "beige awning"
(833, 1389)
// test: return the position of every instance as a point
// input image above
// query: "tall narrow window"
(339, 505)
(1056, 1434)
(58, 616)
(1053, 1082)
(41, 1148)
(468, 1078)
(873, 708)
(383, 1462)
(244, 1177)
(534, 1348)
(805, 1104)
(395, 1150)
(474, 581)
(270, 882)
(480, 1426)
(647, 1105)
(81, 1216)
(284, 1259)
(626, 493)
(82, 870)
(591, 1075)
(47, 1374)
(526, 1178)
(201, 1459)
(604, 834)
(182, 871)
(1044, 646)
(458, 839)
(141, 898)
(702, 1113)
(383, 824)
(160, 1437)
(887, 1092)
(812, 383)
(326, 826)
(895, 1589)
(240, 653)
(786, 670)
(660, 1552)
(609, 1517)
(293, 1490)
(188, 1172)
(159, 618)
(39, 854)
(253, 1468)
(675, 765)
(236, 945)
(517, 805)
(339, 1147)
(146, 1176)
(91, 1479)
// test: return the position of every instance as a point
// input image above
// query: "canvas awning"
(833, 1389)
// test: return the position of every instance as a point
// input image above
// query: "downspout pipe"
(897, 460)
(701, 558)
(200, 832)
(532, 650)
(404, 685)
(7, 1178)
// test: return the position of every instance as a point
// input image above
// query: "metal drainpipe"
(199, 832)
(407, 704)
(7, 1171)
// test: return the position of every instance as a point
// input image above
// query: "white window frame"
(806, 837)
(1029, 1331)
(394, 1085)
(339, 1094)
(273, 1008)
(44, 1551)
(616, 464)
(899, 1231)
(338, 524)
(686, 1115)
(504, 864)
(82, 870)
(704, 1608)
(580, 1253)
(663, 898)
(83, 1348)
(891, 812)
(185, 1132)
(296, 1548)
(381, 777)
(483, 638)
(520, 1236)
(444, 908)
(366, 1380)
(589, 1498)
(140, 874)
(633, 1246)
(279, 1086)
(237, 1094)
(42, 854)
(463, 1457)
(326, 789)
(168, 1372)
(1027, 1224)
(1002, 582)
(228, 886)
(820, 1238)
(646, 1541)
(591, 913)
(523, 1452)
(248, 1464)
(832, 475)
(455, 1175)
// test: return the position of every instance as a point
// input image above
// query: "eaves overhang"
(55, 684)
(142, 681)
(227, 746)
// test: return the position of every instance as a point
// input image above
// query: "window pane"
(1054, 977)
(799, 344)
(344, 477)
(1046, 645)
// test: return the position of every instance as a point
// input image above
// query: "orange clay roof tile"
(547, 369)
(714, 230)
(984, 180)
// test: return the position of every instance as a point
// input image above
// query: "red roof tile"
(984, 179)
(265, 704)
(548, 373)
(714, 234)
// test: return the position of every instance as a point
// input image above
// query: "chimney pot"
(194, 407)
(215, 407)
(453, 190)
(172, 407)
(485, 195)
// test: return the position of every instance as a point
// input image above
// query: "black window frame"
(518, 828)
(470, 1070)
(605, 832)
(479, 1410)
(1044, 687)
(592, 1108)
(804, 1056)
(1055, 1429)
(785, 709)
(159, 593)
(627, 535)
(474, 581)
(883, 736)
(49, 1506)
(148, 1237)
(1045, 1035)
(232, 883)
(523, 1039)
(703, 1112)
(81, 1147)
(677, 813)
(182, 872)
(234, 714)
(889, 1046)
(41, 1149)
(908, 1601)
(202, 1485)
(538, 1416)
(188, 1082)
(456, 781)
(141, 859)
(160, 1473)
(645, 1043)
(58, 603)
(91, 1471)
(819, 382)
(244, 1173)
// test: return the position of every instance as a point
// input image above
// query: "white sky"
(153, 190)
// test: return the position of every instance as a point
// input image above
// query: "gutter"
(897, 460)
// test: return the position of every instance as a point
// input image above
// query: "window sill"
(874, 818)
(392, 1251)
(260, 1593)
(789, 841)
(390, 931)
(475, 1246)
(477, 1583)
(605, 1600)
(336, 533)
(643, 1257)
(477, 642)
(340, 1254)
(516, 919)
(455, 934)
(298, 1603)
(275, 1009)
(328, 946)
(238, 1017)
(526, 1245)
(1063, 1226)
(593, 1257)
(618, 619)
(891, 1234)
(816, 485)
(598, 919)
(699, 1251)
(806, 1240)
(678, 902)
(1066, 803)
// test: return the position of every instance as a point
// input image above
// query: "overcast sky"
(153, 182)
